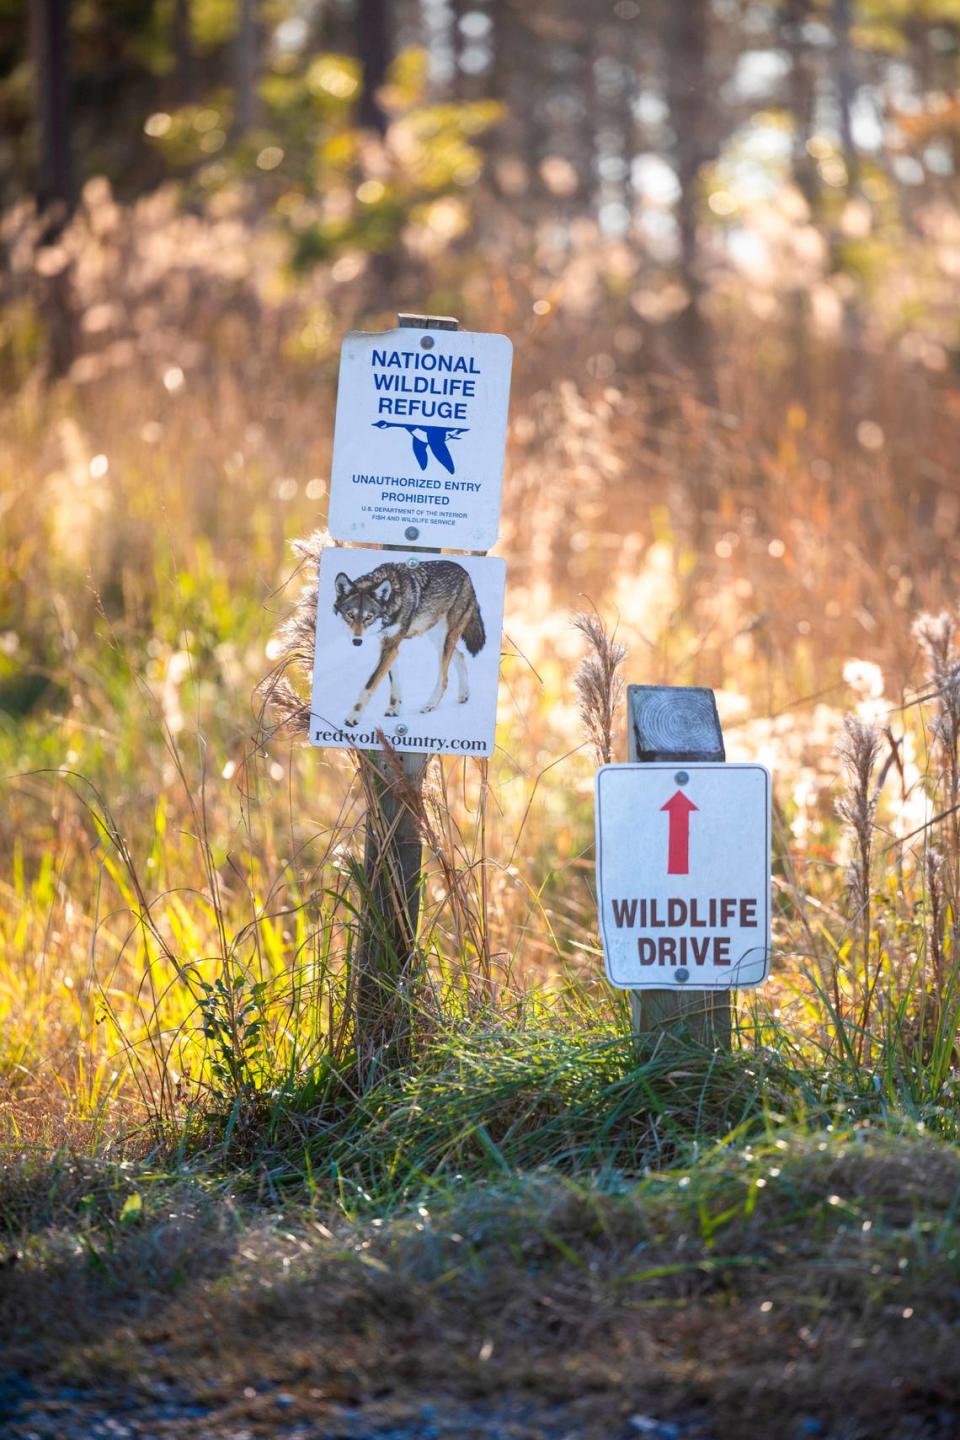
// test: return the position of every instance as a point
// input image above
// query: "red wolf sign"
(408, 648)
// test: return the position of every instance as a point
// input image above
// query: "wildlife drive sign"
(407, 644)
(683, 874)
(420, 436)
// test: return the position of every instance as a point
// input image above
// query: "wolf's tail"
(474, 635)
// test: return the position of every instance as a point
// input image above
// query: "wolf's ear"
(383, 591)
(343, 585)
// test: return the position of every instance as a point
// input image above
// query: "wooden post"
(393, 859)
(673, 724)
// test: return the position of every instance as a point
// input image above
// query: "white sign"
(420, 437)
(408, 645)
(683, 875)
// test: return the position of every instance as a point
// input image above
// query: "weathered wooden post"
(683, 867)
(673, 724)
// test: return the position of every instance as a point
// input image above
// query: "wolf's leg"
(446, 654)
(463, 686)
(388, 655)
(437, 636)
(395, 701)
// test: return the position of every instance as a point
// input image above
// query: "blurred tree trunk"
(844, 84)
(855, 395)
(50, 22)
(374, 50)
(245, 48)
(498, 55)
(519, 78)
(501, 140)
(330, 27)
(50, 36)
(457, 11)
(801, 90)
(628, 129)
(587, 156)
(184, 72)
(686, 38)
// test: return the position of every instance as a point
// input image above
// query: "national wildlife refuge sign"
(419, 440)
(407, 645)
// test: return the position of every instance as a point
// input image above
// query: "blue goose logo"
(427, 439)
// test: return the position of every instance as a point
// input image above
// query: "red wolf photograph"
(396, 602)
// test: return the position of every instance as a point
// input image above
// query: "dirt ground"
(811, 1290)
(70, 1414)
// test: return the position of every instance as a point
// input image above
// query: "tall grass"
(239, 1035)
(181, 899)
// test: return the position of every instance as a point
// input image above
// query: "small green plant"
(232, 1020)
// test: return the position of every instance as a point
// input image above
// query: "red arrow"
(678, 807)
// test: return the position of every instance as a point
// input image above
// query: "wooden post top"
(427, 322)
(673, 723)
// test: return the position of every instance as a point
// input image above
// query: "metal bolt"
(681, 976)
(681, 778)
(413, 562)
(426, 343)
(411, 532)
(401, 729)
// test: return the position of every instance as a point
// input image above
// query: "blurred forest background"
(724, 237)
(202, 194)
(806, 148)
